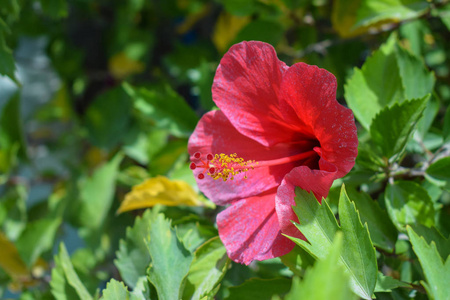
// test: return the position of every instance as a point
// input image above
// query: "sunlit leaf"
(170, 259)
(319, 226)
(65, 282)
(159, 190)
(326, 280)
(435, 267)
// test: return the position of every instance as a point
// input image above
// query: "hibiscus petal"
(250, 231)
(308, 96)
(246, 88)
(215, 134)
(317, 181)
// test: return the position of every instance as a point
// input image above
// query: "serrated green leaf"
(170, 259)
(375, 85)
(37, 238)
(387, 283)
(64, 276)
(408, 203)
(419, 85)
(133, 258)
(435, 267)
(373, 11)
(433, 235)
(115, 290)
(326, 280)
(207, 269)
(382, 231)
(319, 226)
(392, 127)
(97, 193)
(165, 108)
(261, 289)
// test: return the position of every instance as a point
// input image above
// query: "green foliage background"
(96, 96)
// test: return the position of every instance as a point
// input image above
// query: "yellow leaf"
(10, 260)
(121, 66)
(227, 27)
(160, 190)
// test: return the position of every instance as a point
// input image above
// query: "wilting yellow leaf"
(227, 27)
(160, 190)
(121, 66)
(11, 262)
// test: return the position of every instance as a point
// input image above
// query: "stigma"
(221, 166)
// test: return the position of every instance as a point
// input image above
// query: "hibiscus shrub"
(224, 149)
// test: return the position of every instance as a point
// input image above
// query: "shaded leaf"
(392, 127)
(261, 289)
(387, 283)
(159, 190)
(408, 203)
(165, 108)
(440, 169)
(54, 8)
(319, 226)
(170, 259)
(207, 269)
(382, 231)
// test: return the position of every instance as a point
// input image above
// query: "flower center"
(227, 166)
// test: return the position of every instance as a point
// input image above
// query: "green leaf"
(435, 267)
(392, 127)
(165, 108)
(55, 8)
(7, 65)
(387, 283)
(207, 269)
(375, 85)
(133, 258)
(440, 169)
(319, 226)
(433, 235)
(97, 193)
(108, 118)
(65, 283)
(261, 30)
(419, 85)
(298, 260)
(170, 259)
(326, 280)
(446, 129)
(11, 132)
(373, 11)
(382, 231)
(261, 289)
(37, 238)
(408, 203)
(115, 290)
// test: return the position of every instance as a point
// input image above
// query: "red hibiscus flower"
(278, 127)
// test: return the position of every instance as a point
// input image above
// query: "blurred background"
(97, 96)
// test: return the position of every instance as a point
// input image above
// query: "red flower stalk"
(278, 127)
